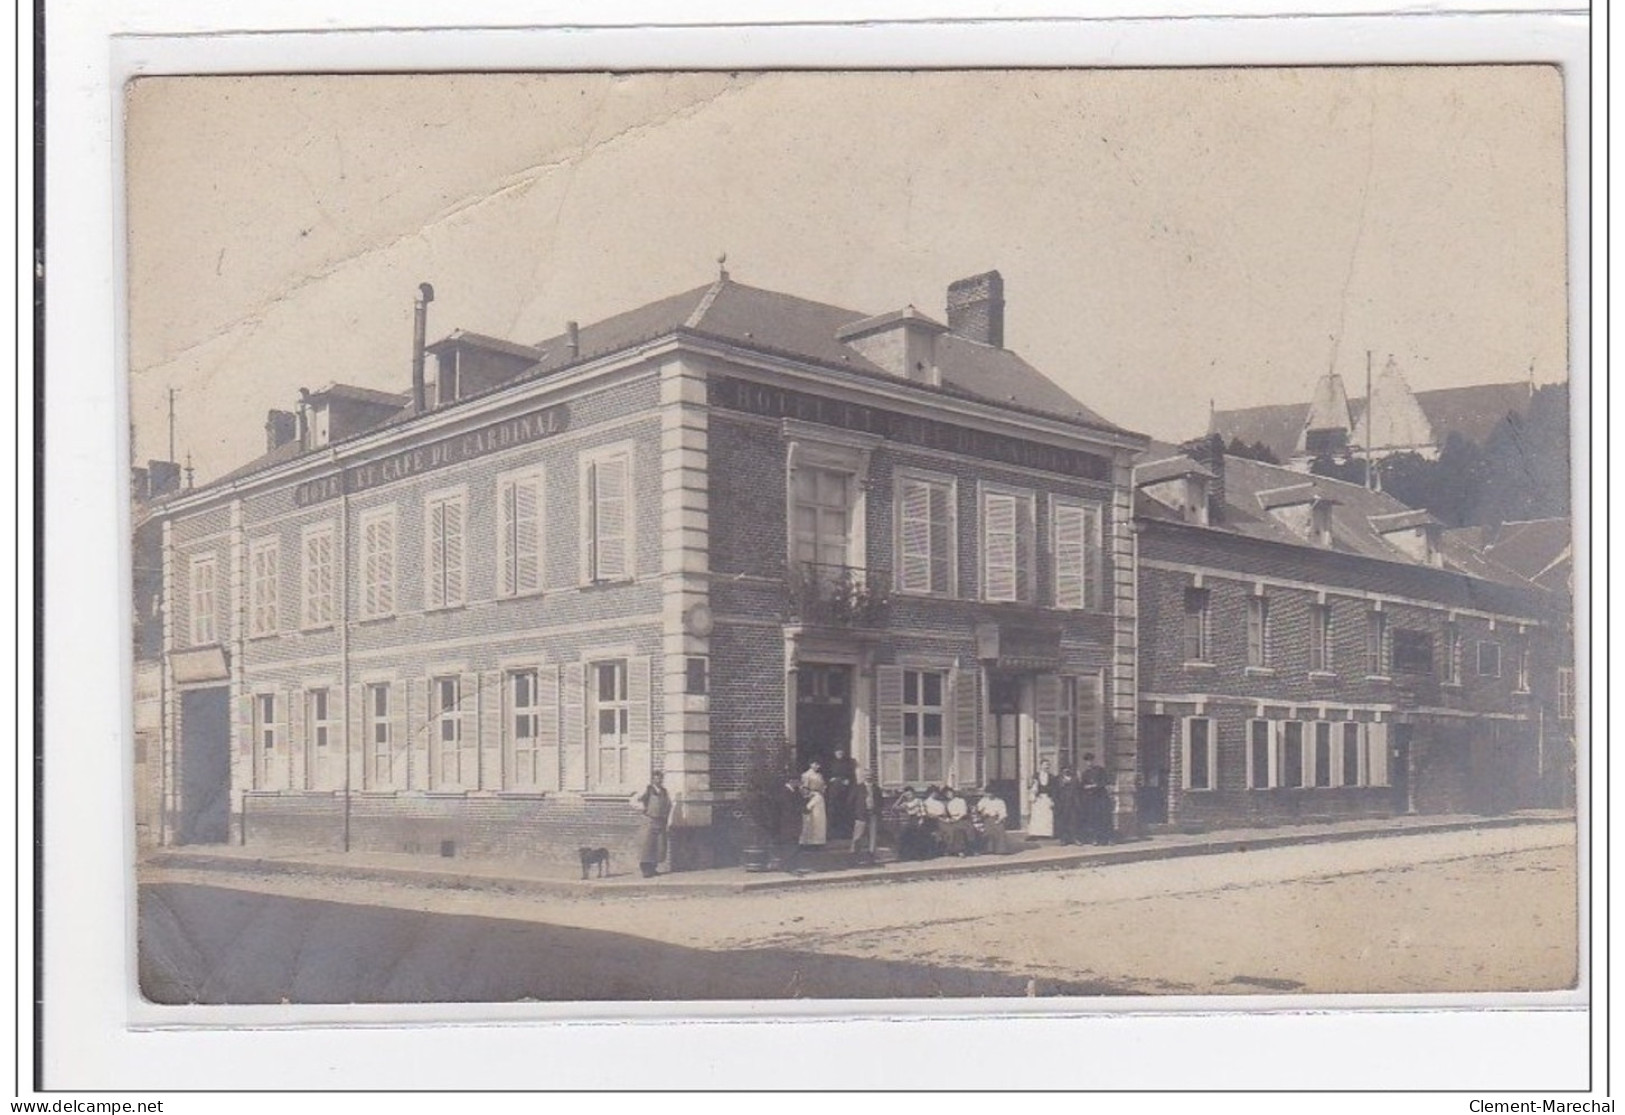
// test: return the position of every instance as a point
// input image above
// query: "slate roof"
(1473, 412)
(1156, 471)
(1353, 507)
(774, 323)
(1541, 550)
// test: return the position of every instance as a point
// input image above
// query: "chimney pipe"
(420, 326)
(572, 333)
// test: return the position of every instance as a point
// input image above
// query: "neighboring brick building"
(469, 620)
(1311, 649)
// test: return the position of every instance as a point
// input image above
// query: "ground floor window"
(1261, 758)
(379, 736)
(1323, 754)
(922, 725)
(611, 724)
(457, 749)
(1298, 754)
(1201, 753)
(266, 753)
(1292, 765)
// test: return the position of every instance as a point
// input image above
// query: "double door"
(1009, 730)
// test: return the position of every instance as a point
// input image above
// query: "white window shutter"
(527, 561)
(386, 566)
(301, 775)
(914, 536)
(1376, 742)
(1026, 560)
(965, 721)
(639, 720)
(1090, 715)
(1071, 572)
(942, 542)
(547, 728)
(1048, 695)
(492, 772)
(889, 723)
(454, 552)
(999, 554)
(574, 744)
(611, 495)
(435, 588)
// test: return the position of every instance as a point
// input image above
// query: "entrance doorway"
(1155, 754)
(1006, 701)
(1399, 766)
(205, 767)
(823, 713)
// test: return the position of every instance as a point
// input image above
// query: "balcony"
(834, 596)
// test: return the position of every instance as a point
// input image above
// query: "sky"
(1169, 239)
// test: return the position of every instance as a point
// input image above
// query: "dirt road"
(1476, 910)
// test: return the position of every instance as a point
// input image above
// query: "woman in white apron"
(1041, 813)
(814, 818)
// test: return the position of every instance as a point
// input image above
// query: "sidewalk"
(541, 878)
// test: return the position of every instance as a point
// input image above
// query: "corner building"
(727, 528)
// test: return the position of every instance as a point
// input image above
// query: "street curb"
(1140, 852)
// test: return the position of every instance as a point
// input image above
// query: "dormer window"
(1179, 484)
(1320, 522)
(1415, 533)
(1302, 510)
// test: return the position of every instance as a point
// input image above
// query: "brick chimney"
(281, 427)
(976, 308)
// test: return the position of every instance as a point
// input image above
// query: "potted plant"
(761, 800)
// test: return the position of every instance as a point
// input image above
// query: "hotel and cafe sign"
(509, 433)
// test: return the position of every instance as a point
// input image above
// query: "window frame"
(1304, 756)
(1342, 742)
(267, 736)
(1482, 645)
(1211, 758)
(1321, 736)
(1201, 637)
(512, 714)
(1024, 581)
(1272, 757)
(387, 580)
(508, 553)
(620, 707)
(1378, 663)
(264, 587)
(1451, 654)
(1520, 666)
(1321, 637)
(1091, 592)
(372, 720)
(465, 728)
(1259, 656)
(1414, 665)
(920, 709)
(203, 601)
(437, 550)
(1565, 693)
(591, 519)
(932, 482)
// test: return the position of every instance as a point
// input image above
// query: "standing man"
(843, 772)
(655, 805)
(1097, 802)
(865, 808)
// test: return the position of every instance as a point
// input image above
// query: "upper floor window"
(1077, 553)
(203, 600)
(607, 515)
(1565, 692)
(821, 517)
(519, 534)
(1489, 659)
(1258, 631)
(262, 587)
(1412, 651)
(1007, 546)
(378, 563)
(316, 577)
(1520, 665)
(444, 564)
(925, 534)
(1197, 631)
(1376, 644)
(1320, 638)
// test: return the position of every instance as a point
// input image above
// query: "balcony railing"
(834, 595)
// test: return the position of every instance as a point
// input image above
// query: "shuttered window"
(456, 747)
(445, 564)
(533, 729)
(380, 736)
(519, 534)
(1007, 546)
(316, 578)
(203, 601)
(262, 587)
(925, 535)
(378, 563)
(609, 516)
(1077, 555)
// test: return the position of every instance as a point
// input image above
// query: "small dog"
(592, 856)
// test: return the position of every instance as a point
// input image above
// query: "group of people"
(1072, 807)
(840, 804)
(939, 821)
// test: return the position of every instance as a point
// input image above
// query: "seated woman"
(994, 815)
(958, 835)
(918, 838)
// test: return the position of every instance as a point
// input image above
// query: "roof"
(1541, 550)
(1154, 472)
(360, 394)
(1473, 412)
(770, 322)
(1402, 520)
(1252, 487)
